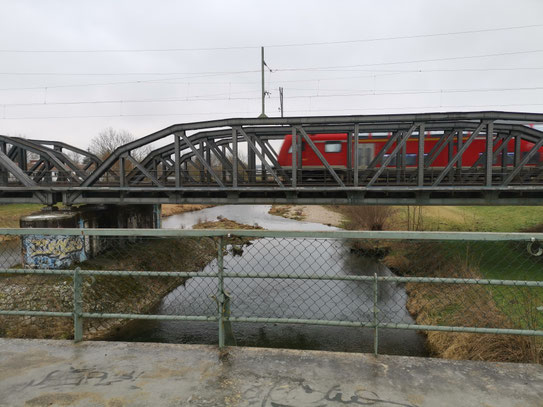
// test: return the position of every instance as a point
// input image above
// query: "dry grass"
(287, 211)
(280, 210)
(459, 305)
(174, 209)
(225, 224)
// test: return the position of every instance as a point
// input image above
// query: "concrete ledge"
(60, 373)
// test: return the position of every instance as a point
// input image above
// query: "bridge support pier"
(60, 251)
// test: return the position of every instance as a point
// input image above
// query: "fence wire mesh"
(493, 286)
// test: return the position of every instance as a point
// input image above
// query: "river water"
(276, 298)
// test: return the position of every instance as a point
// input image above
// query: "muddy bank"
(101, 294)
(173, 209)
(309, 213)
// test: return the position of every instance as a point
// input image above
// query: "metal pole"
(177, 165)
(294, 155)
(420, 157)
(234, 158)
(78, 306)
(489, 153)
(220, 292)
(122, 173)
(263, 114)
(375, 320)
(355, 149)
(281, 100)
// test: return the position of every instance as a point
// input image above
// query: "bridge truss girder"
(236, 161)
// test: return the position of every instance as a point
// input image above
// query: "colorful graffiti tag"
(52, 252)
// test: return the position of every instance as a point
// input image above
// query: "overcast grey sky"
(156, 63)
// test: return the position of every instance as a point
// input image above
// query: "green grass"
(505, 261)
(10, 214)
(486, 218)
(505, 218)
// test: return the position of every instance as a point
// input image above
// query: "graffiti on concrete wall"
(52, 252)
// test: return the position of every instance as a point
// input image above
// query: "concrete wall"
(60, 251)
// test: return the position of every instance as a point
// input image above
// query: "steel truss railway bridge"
(235, 161)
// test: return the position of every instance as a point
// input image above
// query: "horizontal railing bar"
(38, 272)
(30, 313)
(371, 235)
(444, 328)
(127, 273)
(114, 273)
(497, 331)
(396, 279)
(149, 316)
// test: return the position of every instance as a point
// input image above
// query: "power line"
(124, 73)
(169, 80)
(322, 68)
(408, 108)
(411, 61)
(306, 44)
(213, 97)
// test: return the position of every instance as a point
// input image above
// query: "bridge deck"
(46, 372)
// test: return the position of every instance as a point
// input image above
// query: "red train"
(334, 148)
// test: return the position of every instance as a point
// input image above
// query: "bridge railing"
(90, 283)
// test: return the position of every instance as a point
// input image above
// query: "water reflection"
(286, 298)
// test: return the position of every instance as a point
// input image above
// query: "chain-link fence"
(477, 295)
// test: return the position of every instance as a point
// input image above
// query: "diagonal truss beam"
(379, 157)
(399, 145)
(17, 172)
(144, 171)
(523, 162)
(319, 154)
(465, 146)
(439, 147)
(201, 158)
(252, 146)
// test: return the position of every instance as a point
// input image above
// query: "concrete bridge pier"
(60, 251)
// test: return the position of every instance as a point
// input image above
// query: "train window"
(332, 147)
(303, 148)
(494, 160)
(510, 158)
(410, 159)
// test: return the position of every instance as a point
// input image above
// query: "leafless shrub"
(368, 217)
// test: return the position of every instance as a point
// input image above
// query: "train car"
(334, 148)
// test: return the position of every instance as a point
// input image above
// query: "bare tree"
(109, 139)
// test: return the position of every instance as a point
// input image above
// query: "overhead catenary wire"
(409, 108)
(250, 47)
(212, 97)
(458, 57)
(379, 72)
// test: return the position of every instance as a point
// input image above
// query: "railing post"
(78, 306)
(375, 318)
(220, 291)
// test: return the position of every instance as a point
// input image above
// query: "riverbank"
(103, 294)
(309, 213)
(468, 305)
(174, 209)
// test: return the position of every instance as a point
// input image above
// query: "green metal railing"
(224, 317)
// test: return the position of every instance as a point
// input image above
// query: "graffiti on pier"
(51, 252)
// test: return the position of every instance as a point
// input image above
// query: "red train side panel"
(334, 148)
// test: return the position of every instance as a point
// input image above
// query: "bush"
(368, 217)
